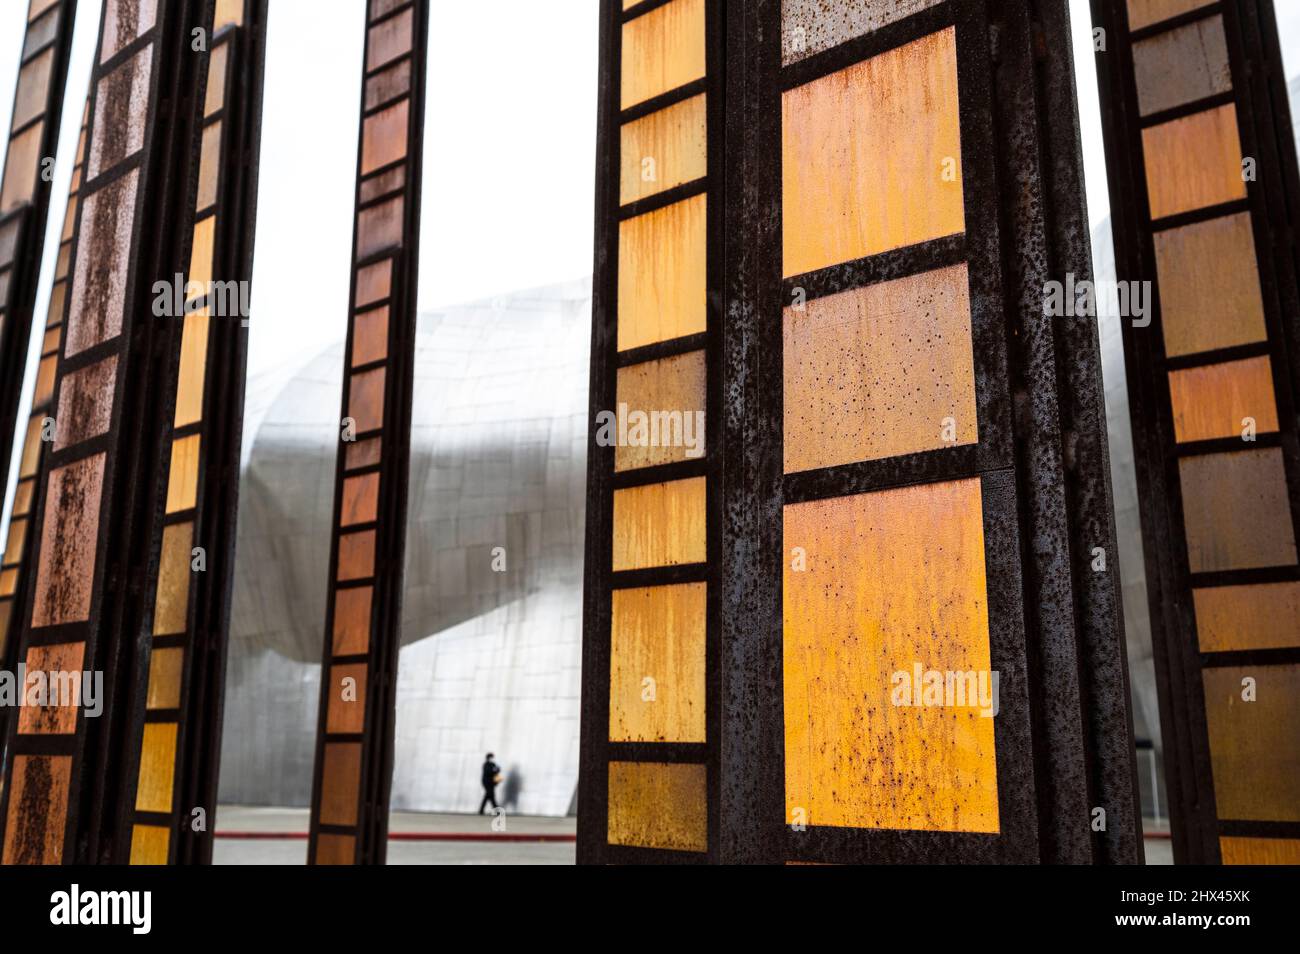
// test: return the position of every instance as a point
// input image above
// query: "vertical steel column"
(83, 603)
(354, 739)
(1205, 197)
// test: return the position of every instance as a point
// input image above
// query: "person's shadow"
(514, 784)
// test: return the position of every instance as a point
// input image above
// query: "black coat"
(490, 772)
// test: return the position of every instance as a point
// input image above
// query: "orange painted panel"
(879, 371)
(1254, 745)
(1215, 400)
(658, 805)
(1146, 12)
(1236, 511)
(149, 844)
(157, 767)
(165, 678)
(662, 50)
(1252, 616)
(1260, 851)
(663, 403)
(172, 603)
(193, 369)
(1193, 162)
(356, 555)
(347, 700)
(894, 585)
(664, 149)
(69, 536)
(340, 784)
(657, 664)
(183, 475)
(38, 809)
(660, 524)
(60, 717)
(871, 156)
(662, 258)
(351, 621)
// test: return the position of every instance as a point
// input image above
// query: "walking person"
(491, 776)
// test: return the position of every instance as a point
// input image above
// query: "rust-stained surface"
(33, 87)
(658, 805)
(1209, 285)
(69, 536)
(1193, 162)
(662, 50)
(125, 21)
(1181, 66)
(380, 226)
(85, 403)
(661, 274)
(664, 149)
(657, 664)
(894, 579)
(38, 806)
(347, 714)
(1260, 851)
(99, 280)
(340, 779)
(172, 603)
(389, 40)
(810, 26)
(871, 156)
(121, 107)
(1253, 744)
(674, 387)
(1215, 400)
(1236, 511)
(879, 371)
(60, 719)
(157, 767)
(659, 524)
(1251, 616)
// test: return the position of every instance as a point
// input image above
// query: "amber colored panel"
(360, 499)
(656, 677)
(660, 524)
(1143, 13)
(363, 453)
(44, 380)
(347, 700)
(662, 403)
(1214, 400)
(14, 545)
(894, 582)
(388, 40)
(121, 108)
(1250, 616)
(1209, 285)
(23, 496)
(1193, 162)
(38, 809)
(662, 50)
(366, 399)
(351, 621)
(32, 446)
(69, 537)
(383, 183)
(149, 844)
(215, 97)
(124, 21)
(335, 849)
(103, 248)
(658, 805)
(1260, 851)
(165, 678)
(356, 555)
(69, 221)
(1254, 745)
(183, 477)
(228, 11)
(1181, 66)
(370, 336)
(209, 167)
(33, 89)
(1236, 511)
(880, 371)
(661, 274)
(340, 783)
(871, 156)
(157, 767)
(6, 614)
(20, 168)
(193, 369)
(199, 278)
(383, 137)
(392, 82)
(374, 282)
(8, 581)
(50, 342)
(64, 661)
(61, 263)
(58, 295)
(171, 606)
(380, 227)
(810, 26)
(85, 403)
(36, 7)
(664, 149)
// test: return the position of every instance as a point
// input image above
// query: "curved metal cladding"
(909, 631)
(80, 609)
(25, 184)
(174, 717)
(1205, 193)
(354, 742)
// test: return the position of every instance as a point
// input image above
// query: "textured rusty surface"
(69, 536)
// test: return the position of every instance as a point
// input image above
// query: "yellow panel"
(1193, 162)
(194, 358)
(662, 150)
(658, 805)
(31, 447)
(183, 478)
(1143, 13)
(157, 767)
(44, 380)
(215, 95)
(662, 50)
(171, 607)
(228, 11)
(880, 371)
(1214, 400)
(871, 156)
(1254, 745)
(893, 582)
(1252, 616)
(209, 167)
(656, 679)
(165, 678)
(659, 524)
(149, 844)
(14, 546)
(661, 274)
(1260, 851)
(201, 257)
(663, 404)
